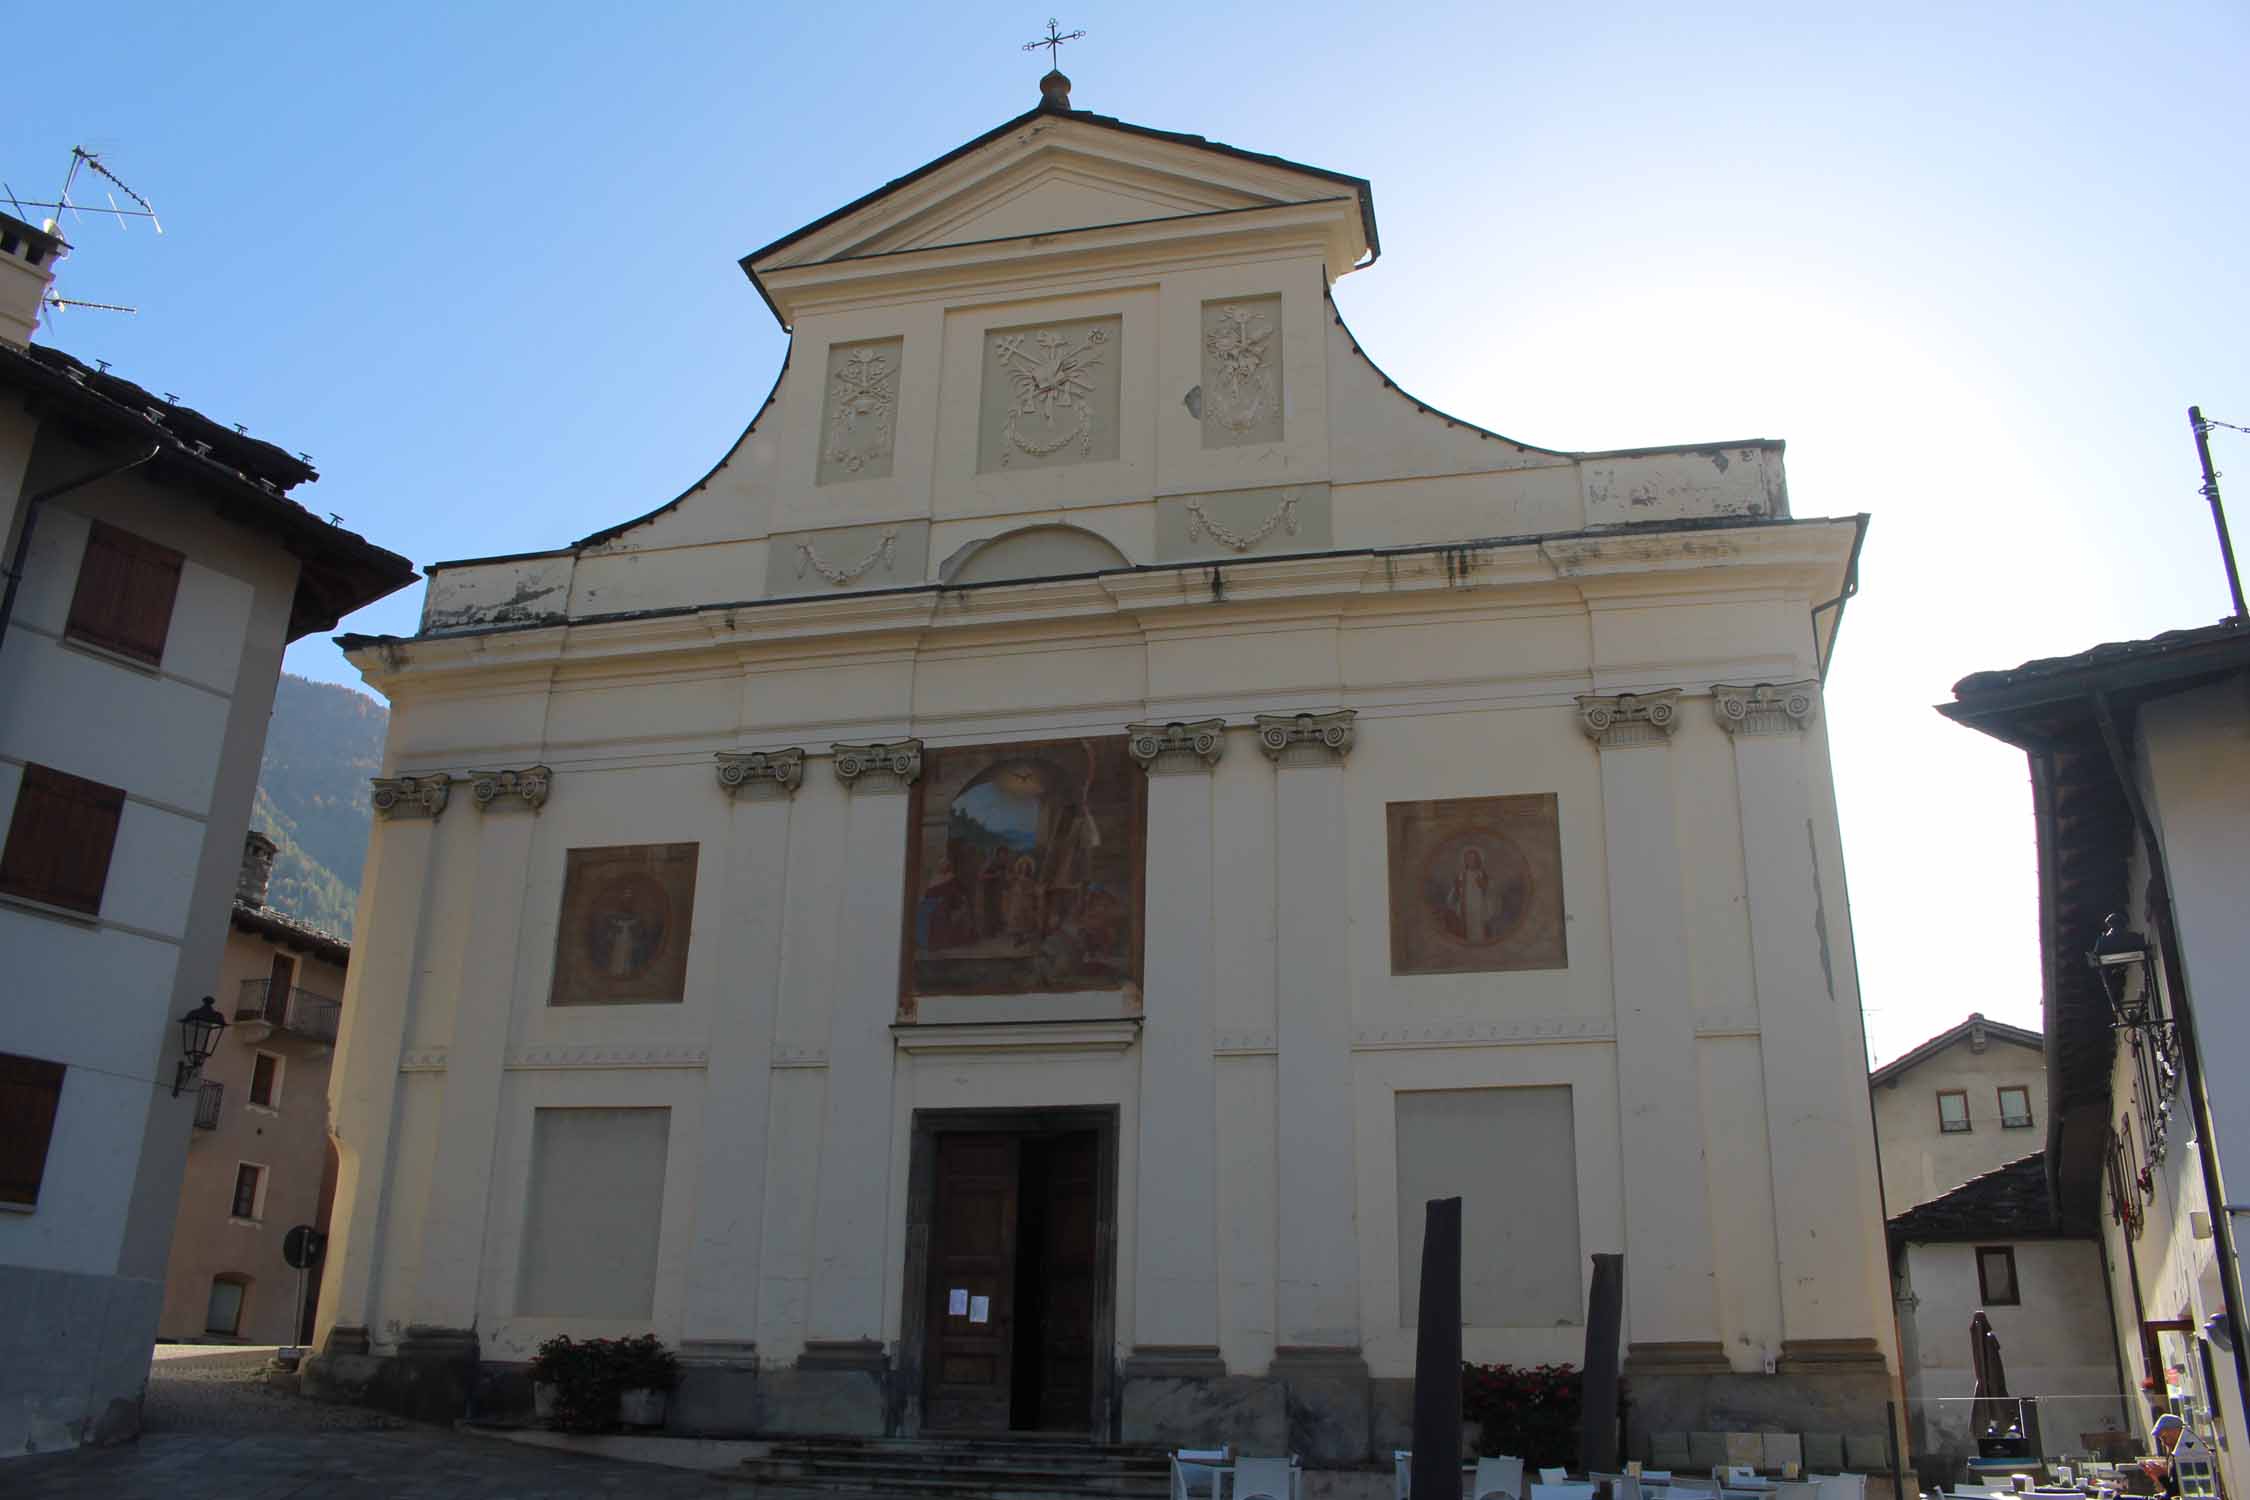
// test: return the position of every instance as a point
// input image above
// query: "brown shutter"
(60, 839)
(30, 1091)
(126, 589)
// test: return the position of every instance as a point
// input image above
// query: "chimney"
(257, 868)
(27, 269)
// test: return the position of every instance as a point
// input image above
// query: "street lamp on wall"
(199, 1038)
(2118, 953)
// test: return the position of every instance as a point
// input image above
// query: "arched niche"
(1044, 551)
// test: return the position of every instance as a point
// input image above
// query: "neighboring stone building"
(158, 568)
(998, 906)
(259, 1163)
(1995, 1245)
(1968, 1100)
(2138, 753)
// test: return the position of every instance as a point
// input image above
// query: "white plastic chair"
(1554, 1476)
(1196, 1471)
(1265, 1479)
(1841, 1486)
(1577, 1490)
(1744, 1476)
(1502, 1477)
(1402, 1473)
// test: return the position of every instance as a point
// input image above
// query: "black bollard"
(1436, 1472)
(1597, 1401)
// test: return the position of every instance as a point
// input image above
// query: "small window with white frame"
(249, 1205)
(265, 1081)
(1953, 1111)
(2015, 1107)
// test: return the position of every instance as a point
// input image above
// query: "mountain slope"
(324, 743)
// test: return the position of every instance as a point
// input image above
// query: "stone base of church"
(1316, 1402)
(435, 1376)
(1824, 1386)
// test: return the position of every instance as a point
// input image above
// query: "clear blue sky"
(1973, 263)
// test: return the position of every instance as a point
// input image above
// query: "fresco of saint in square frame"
(1476, 885)
(1024, 870)
(623, 938)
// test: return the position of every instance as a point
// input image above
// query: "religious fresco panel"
(624, 933)
(1024, 863)
(1476, 885)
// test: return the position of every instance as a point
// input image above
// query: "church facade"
(996, 908)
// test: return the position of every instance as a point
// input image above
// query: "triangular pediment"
(1055, 172)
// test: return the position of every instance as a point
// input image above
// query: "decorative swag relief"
(859, 417)
(1050, 395)
(1241, 400)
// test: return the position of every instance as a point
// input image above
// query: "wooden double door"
(1016, 1280)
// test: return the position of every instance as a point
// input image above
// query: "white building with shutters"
(157, 569)
(996, 908)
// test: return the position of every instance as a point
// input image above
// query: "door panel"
(1071, 1252)
(972, 1244)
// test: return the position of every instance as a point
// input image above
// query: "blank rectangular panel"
(591, 1219)
(1510, 1155)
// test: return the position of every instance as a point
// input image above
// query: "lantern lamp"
(199, 1038)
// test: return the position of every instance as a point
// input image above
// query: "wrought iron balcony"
(207, 1102)
(286, 1010)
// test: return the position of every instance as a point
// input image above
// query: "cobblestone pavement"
(212, 1428)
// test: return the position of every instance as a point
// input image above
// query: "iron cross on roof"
(1053, 41)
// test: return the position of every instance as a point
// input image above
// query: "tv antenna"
(83, 160)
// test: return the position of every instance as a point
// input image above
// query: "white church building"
(996, 908)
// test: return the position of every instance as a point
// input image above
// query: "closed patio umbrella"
(1992, 1415)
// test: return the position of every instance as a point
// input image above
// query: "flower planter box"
(643, 1407)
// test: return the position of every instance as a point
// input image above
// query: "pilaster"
(1176, 1274)
(1317, 1302)
(854, 1187)
(364, 1079)
(453, 1221)
(723, 1257)
(1671, 1297)
(1821, 1224)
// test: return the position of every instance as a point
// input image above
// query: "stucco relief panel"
(859, 410)
(1049, 395)
(1241, 398)
(1476, 885)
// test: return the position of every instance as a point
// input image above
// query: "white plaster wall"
(2056, 1344)
(100, 1232)
(1919, 1160)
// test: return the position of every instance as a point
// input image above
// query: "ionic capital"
(761, 773)
(1766, 707)
(410, 796)
(1163, 749)
(879, 766)
(525, 788)
(1625, 719)
(1307, 739)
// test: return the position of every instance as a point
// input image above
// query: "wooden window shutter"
(126, 589)
(30, 1091)
(60, 839)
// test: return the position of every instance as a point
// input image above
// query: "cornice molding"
(422, 1060)
(1629, 719)
(536, 1058)
(1169, 749)
(1523, 1033)
(1307, 739)
(1018, 1036)
(879, 765)
(527, 787)
(800, 1057)
(1766, 707)
(410, 796)
(761, 773)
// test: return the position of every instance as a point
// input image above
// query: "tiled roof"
(265, 922)
(2006, 1203)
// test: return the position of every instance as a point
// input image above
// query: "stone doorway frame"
(921, 1201)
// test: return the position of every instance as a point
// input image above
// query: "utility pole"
(2202, 431)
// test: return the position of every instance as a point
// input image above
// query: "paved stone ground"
(213, 1429)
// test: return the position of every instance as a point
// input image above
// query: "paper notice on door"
(980, 1309)
(957, 1302)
